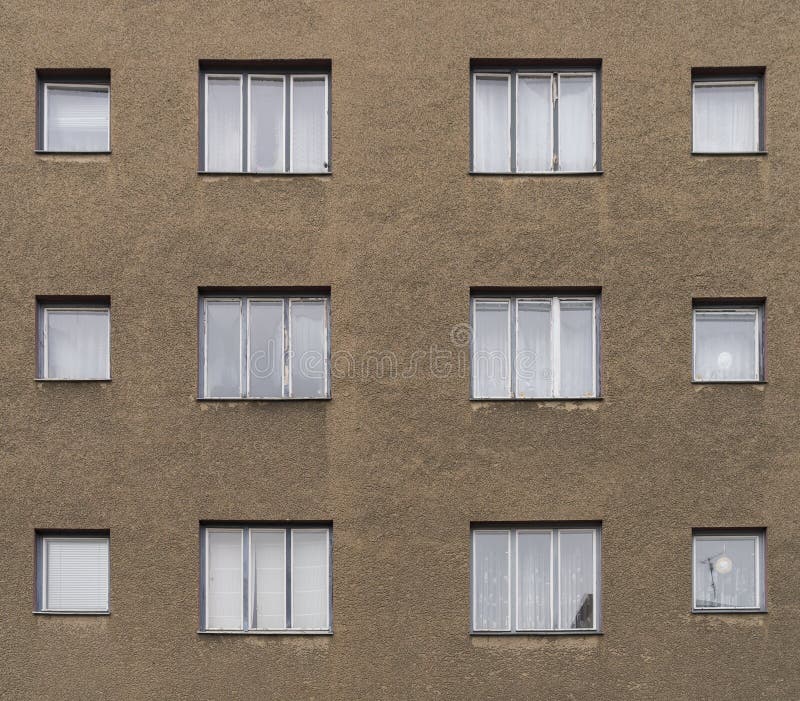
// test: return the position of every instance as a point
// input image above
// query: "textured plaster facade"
(400, 232)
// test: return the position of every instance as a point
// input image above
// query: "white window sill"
(265, 632)
(729, 382)
(263, 399)
(72, 153)
(543, 173)
(73, 379)
(727, 611)
(515, 633)
(72, 613)
(536, 399)
(729, 153)
(220, 173)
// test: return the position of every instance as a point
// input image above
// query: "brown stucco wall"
(401, 466)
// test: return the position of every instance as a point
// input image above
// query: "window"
(264, 347)
(74, 111)
(728, 343)
(72, 572)
(74, 340)
(265, 121)
(265, 578)
(535, 578)
(534, 121)
(533, 346)
(727, 112)
(729, 570)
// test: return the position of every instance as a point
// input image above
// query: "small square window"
(72, 572)
(729, 570)
(74, 340)
(265, 578)
(728, 343)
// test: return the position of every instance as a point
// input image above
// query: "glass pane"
(77, 118)
(224, 583)
(576, 123)
(491, 349)
(491, 124)
(309, 131)
(310, 579)
(725, 571)
(725, 118)
(725, 345)
(534, 581)
(534, 365)
(308, 348)
(223, 348)
(77, 344)
(77, 574)
(534, 123)
(267, 148)
(265, 328)
(576, 579)
(268, 579)
(224, 124)
(577, 348)
(491, 609)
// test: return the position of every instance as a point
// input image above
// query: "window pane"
(224, 583)
(224, 124)
(76, 574)
(492, 141)
(491, 609)
(268, 579)
(576, 579)
(77, 118)
(223, 348)
(265, 329)
(534, 127)
(77, 344)
(725, 345)
(308, 348)
(309, 131)
(310, 579)
(725, 571)
(534, 365)
(491, 349)
(266, 125)
(577, 348)
(534, 581)
(725, 118)
(576, 123)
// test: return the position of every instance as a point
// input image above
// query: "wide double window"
(265, 578)
(535, 578)
(534, 121)
(728, 342)
(74, 111)
(265, 121)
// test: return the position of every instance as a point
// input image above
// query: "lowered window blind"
(75, 574)
(77, 118)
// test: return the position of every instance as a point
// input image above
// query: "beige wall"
(400, 232)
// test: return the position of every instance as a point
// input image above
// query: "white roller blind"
(267, 124)
(491, 124)
(224, 580)
(75, 574)
(76, 118)
(310, 579)
(224, 124)
(308, 347)
(309, 125)
(76, 344)
(268, 579)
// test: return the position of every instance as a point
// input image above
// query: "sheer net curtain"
(266, 348)
(308, 347)
(491, 124)
(223, 319)
(491, 348)
(309, 125)
(491, 560)
(576, 579)
(577, 321)
(267, 120)
(534, 123)
(77, 344)
(224, 584)
(76, 574)
(77, 118)
(726, 573)
(576, 123)
(534, 580)
(534, 366)
(310, 579)
(224, 123)
(725, 118)
(268, 579)
(725, 345)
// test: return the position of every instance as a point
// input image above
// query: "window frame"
(759, 535)
(555, 335)
(733, 307)
(246, 74)
(555, 530)
(247, 592)
(78, 82)
(555, 72)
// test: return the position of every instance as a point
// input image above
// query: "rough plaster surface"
(401, 465)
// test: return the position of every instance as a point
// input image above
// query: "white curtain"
(576, 123)
(76, 574)
(534, 370)
(577, 373)
(491, 124)
(725, 118)
(267, 125)
(77, 119)
(265, 359)
(725, 572)
(223, 348)
(224, 124)
(268, 579)
(491, 348)
(725, 345)
(534, 594)
(310, 579)
(77, 344)
(308, 347)
(534, 123)
(576, 580)
(491, 606)
(225, 581)
(309, 129)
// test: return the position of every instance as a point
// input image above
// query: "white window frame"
(66, 85)
(308, 76)
(45, 345)
(701, 83)
(728, 309)
(555, 338)
(43, 562)
(756, 535)
(266, 76)
(224, 76)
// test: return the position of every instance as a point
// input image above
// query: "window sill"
(220, 173)
(536, 399)
(544, 174)
(72, 613)
(703, 612)
(265, 632)
(534, 633)
(728, 153)
(264, 399)
(41, 152)
(76, 379)
(729, 382)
